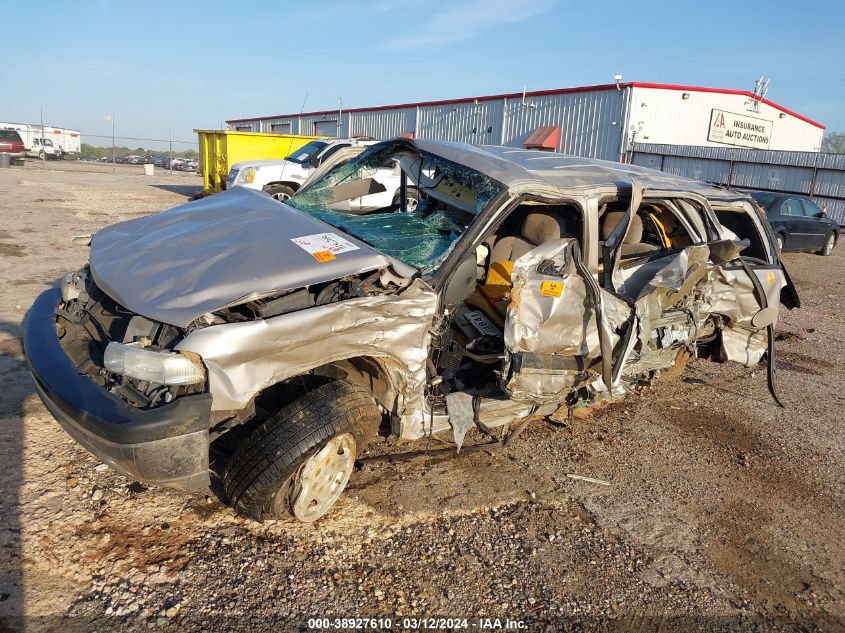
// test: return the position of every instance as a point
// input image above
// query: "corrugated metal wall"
(591, 121)
(383, 124)
(477, 123)
(819, 176)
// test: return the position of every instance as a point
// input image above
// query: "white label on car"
(322, 242)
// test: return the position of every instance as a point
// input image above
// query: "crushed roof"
(512, 166)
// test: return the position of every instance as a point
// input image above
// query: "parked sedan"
(799, 225)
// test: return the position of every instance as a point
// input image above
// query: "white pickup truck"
(43, 148)
(282, 178)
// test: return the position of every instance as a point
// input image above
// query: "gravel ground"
(723, 511)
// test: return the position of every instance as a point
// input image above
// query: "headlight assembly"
(164, 368)
(247, 175)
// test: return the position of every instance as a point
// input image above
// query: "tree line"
(105, 152)
(834, 143)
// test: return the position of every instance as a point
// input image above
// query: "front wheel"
(299, 461)
(282, 193)
(829, 243)
(779, 242)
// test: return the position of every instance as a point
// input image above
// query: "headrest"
(611, 219)
(539, 227)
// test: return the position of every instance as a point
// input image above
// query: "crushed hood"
(177, 265)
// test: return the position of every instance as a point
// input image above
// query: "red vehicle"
(11, 143)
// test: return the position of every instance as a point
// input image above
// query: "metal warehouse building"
(596, 121)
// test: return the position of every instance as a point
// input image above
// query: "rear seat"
(632, 244)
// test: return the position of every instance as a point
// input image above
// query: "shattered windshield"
(362, 198)
(305, 153)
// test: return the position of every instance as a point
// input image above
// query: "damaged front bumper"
(165, 446)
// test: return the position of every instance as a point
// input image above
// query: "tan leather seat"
(632, 244)
(537, 228)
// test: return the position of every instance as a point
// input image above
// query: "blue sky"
(199, 63)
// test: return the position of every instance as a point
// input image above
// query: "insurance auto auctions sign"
(738, 129)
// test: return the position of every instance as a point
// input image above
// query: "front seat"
(632, 244)
(538, 227)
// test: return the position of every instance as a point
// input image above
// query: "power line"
(135, 138)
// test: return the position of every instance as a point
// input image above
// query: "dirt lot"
(723, 511)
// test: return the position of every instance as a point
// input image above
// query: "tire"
(779, 242)
(41, 155)
(281, 193)
(413, 195)
(265, 476)
(827, 248)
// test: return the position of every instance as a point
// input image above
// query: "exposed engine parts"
(88, 320)
(349, 287)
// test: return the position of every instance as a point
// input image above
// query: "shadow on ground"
(183, 190)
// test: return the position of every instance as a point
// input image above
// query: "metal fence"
(813, 174)
(45, 143)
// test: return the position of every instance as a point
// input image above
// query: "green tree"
(834, 143)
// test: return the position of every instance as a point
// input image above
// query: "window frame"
(806, 202)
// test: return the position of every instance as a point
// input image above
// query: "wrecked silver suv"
(521, 281)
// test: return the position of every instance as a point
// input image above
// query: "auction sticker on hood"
(324, 247)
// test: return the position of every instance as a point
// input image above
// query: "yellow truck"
(220, 149)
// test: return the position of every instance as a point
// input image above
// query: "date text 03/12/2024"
(416, 624)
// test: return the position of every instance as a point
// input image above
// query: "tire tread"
(277, 447)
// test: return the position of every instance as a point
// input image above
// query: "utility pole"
(41, 143)
(113, 159)
(170, 152)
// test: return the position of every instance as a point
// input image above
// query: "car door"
(816, 226)
(565, 331)
(560, 324)
(793, 220)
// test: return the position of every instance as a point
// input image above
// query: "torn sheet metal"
(551, 332)
(670, 310)
(732, 295)
(459, 404)
(244, 358)
(177, 265)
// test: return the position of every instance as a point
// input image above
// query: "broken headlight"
(163, 368)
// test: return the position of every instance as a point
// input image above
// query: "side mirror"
(314, 161)
(821, 214)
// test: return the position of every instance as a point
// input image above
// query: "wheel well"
(292, 185)
(370, 372)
